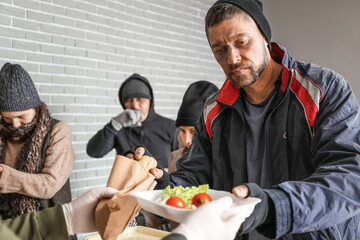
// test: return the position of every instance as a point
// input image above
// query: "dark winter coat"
(157, 133)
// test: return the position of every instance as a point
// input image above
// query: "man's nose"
(188, 139)
(16, 123)
(234, 56)
(135, 104)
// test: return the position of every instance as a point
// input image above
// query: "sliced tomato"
(175, 202)
(200, 199)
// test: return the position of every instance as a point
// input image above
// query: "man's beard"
(17, 135)
(242, 81)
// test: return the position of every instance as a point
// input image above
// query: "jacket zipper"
(267, 128)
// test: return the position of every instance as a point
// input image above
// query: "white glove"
(80, 212)
(206, 222)
(128, 118)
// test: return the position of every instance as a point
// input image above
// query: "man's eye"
(219, 51)
(241, 42)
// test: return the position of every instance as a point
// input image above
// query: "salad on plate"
(189, 197)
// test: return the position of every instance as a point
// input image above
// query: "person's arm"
(46, 224)
(6, 233)
(102, 142)
(59, 161)
(58, 222)
(330, 195)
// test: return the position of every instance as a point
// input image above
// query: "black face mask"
(17, 135)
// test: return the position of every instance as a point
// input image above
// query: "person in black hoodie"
(137, 125)
(189, 112)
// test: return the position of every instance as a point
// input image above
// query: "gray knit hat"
(17, 90)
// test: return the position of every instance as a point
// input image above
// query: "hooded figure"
(189, 112)
(137, 125)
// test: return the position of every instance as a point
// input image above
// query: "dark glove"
(132, 151)
(263, 214)
(164, 181)
(128, 118)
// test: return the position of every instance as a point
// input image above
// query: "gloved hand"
(80, 212)
(264, 212)
(137, 153)
(206, 222)
(128, 118)
(161, 177)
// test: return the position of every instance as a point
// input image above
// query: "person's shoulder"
(320, 76)
(164, 119)
(210, 102)
(211, 98)
(61, 128)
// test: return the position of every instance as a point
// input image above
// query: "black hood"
(138, 77)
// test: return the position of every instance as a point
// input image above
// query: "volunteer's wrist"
(68, 218)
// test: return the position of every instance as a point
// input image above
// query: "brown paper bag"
(113, 215)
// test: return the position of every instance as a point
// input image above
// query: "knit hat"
(254, 9)
(17, 90)
(193, 102)
(134, 87)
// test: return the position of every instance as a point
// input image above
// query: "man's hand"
(206, 222)
(162, 178)
(157, 173)
(264, 212)
(128, 118)
(80, 212)
(241, 191)
(138, 153)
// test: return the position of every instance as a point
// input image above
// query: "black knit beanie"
(134, 87)
(193, 102)
(17, 90)
(254, 9)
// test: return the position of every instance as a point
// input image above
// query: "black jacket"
(157, 133)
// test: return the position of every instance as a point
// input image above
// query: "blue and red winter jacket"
(312, 148)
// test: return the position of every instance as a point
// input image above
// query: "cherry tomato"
(175, 202)
(200, 199)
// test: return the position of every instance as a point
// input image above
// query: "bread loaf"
(147, 163)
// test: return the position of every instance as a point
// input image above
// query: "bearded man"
(279, 129)
(36, 156)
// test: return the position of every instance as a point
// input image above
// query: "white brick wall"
(78, 53)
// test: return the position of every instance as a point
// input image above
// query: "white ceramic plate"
(150, 201)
